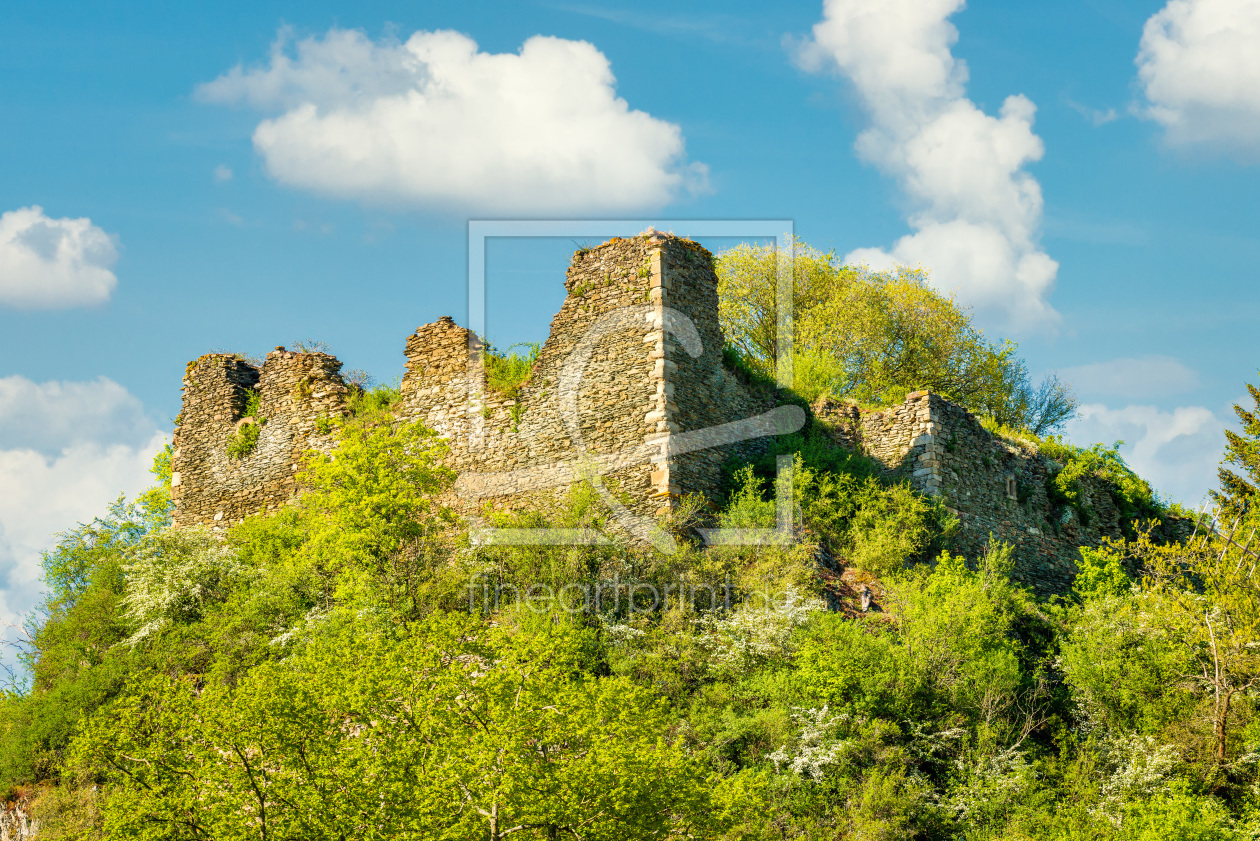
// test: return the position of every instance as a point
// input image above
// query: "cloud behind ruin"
(975, 211)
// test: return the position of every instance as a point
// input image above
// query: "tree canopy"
(875, 336)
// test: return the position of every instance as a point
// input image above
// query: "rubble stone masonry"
(615, 382)
(633, 359)
(297, 394)
(994, 486)
(628, 387)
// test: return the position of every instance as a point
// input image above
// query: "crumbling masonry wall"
(298, 393)
(633, 360)
(994, 486)
(629, 378)
(616, 373)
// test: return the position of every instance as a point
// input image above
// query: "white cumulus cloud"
(976, 213)
(434, 121)
(1142, 377)
(49, 263)
(67, 450)
(1176, 451)
(50, 416)
(1199, 65)
(40, 496)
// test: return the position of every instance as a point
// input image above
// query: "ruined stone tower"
(296, 393)
(633, 359)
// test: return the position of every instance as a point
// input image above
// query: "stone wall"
(614, 384)
(632, 366)
(994, 486)
(698, 393)
(629, 390)
(297, 393)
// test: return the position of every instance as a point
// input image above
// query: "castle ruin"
(627, 386)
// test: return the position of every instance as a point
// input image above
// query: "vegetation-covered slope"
(352, 667)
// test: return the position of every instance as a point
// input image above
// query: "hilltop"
(942, 627)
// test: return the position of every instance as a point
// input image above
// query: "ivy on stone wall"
(245, 439)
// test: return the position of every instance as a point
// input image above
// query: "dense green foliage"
(428, 731)
(354, 667)
(1132, 494)
(374, 405)
(74, 659)
(875, 336)
(878, 527)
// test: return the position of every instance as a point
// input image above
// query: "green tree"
(875, 336)
(748, 292)
(1238, 492)
(1211, 599)
(69, 661)
(452, 730)
(1178, 659)
(1127, 675)
(376, 532)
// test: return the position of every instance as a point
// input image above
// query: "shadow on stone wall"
(633, 361)
(997, 488)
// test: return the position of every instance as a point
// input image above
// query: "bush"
(174, 575)
(244, 439)
(1126, 675)
(73, 662)
(957, 628)
(507, 372)
(891, 528)
(1101, 573)
(376, 532)
(877, 527)
(1132, 494)
(372, 406)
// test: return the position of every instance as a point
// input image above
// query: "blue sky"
(178, 178)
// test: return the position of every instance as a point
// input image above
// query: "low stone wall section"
(996, 487)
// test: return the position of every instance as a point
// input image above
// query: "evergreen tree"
(1242, 451)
